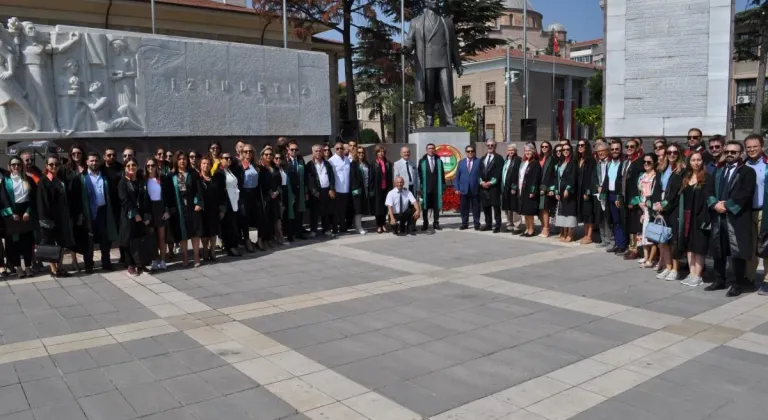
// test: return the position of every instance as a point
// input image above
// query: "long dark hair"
(587, 151)
(176, 156)
(73, 164)
(701, 174)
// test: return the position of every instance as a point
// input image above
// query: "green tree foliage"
(595, 86)
(751, 45)
(369, 136)
(550, 50)
(591, 116)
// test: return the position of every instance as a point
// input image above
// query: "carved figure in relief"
(36, 56)
(123, 73)
(72, 94)
(97, 108)
(10, 90)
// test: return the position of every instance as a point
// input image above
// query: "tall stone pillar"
(584, 104)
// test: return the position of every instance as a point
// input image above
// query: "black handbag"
(144, 248)
(762, 245)
(48, 253)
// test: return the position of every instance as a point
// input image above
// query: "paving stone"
(43, 392)
(416, 398)
(21, 415)
(176, 341)
(8, 375)
(143, 348)
(110, 354)
(82, 324)
(165, 366)
(12, 399)
(669, 400)
(262, 404)
(612, 410)
(149, 398)
(37, 368)
(175, 414)
(227, 380)
(107, 406)
(199, 359)
(190, 389)
(217, 409)
(88, 382)
(128, 374)
(67, 410)
(74, 361)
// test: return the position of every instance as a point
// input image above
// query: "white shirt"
(283, 177)
(523, 168)
(322, 174)
(398, 200)
(20, 193)
(154, 189)
(232, 191)
(431, 162)
(759, 167)
(341, 171)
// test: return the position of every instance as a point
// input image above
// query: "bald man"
(407, 169)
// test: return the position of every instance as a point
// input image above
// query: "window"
(490, 93)
(490, 131)
(583, 59)
(517, 20)
(466, 90)
(747, 87)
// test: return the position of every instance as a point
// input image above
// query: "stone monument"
(667, 67)
(83, 82)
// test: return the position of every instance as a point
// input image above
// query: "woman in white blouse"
(16, 206)
(159, 204)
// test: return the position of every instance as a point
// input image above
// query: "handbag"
(762, 245)
(144, 249)
(48, 253)
(657, 231)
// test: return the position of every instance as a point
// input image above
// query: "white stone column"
(584, 104)
(567, 107)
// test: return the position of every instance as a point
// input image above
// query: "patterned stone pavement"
(458, 325)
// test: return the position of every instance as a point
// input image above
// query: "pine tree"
(550, 50)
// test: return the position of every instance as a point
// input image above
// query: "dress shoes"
(620, 251)
(497, 229)
(715, 286)
(463, 227)
(424, 227)
(613, 249)
(631, 255)
(734, 291)
(477, 227)
(436, 226)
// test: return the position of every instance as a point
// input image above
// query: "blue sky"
(582, 18)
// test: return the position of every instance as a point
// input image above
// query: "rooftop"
(517, 5)
(586, 43)
(501, 53)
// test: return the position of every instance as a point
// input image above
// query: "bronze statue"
(433, 39)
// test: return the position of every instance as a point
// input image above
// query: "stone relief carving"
(84, 82)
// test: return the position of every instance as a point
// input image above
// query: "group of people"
(658, 208)
(185, 197)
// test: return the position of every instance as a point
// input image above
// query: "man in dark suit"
(490, 186)
(322, 190)
(467, 185)
(297, 175)
(732, 230)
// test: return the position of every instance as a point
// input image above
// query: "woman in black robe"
(665, 202)
(187, 220)
(250, 209)
(381, 170)
(226, 181)
(213, 208)
(53, 211)
(529, 176)
(18, 208)
(693, 218)
(567, 195)
(73, 169)
(586, 178)
(133, 217)
(159, 203)
(360, 186)
(270, 182)
(510, 175)
(548, 181)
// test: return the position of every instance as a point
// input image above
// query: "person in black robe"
(730, 201)
(296, 170)
(53, 211)
(547, 201)
(250, 208)
(229, 200)
(381, 175)
(270, 182)
(432, 179)
(693, 218)
(566, 194)
(18, 208)
(73, 169)
(360, 186)
(160, 203)
(631, 168)
(187, 220)
(133, 217)
(490, 187)
(529, 176)
(614, 198)
(587, 182)
(320, 172)
(113, 170)
(510, 189)
(665, 202)
(604, 232)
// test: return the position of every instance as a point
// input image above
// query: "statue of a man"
(433, 39)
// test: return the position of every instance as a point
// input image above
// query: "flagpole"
(525, 57)
(554, 103)
(152, 8)
(402, 69)
(285, 23)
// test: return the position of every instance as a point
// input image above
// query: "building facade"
(588, 52)
(509, 26)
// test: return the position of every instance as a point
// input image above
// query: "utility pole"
(507, 101)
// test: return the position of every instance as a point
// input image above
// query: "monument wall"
(668, 66)
(73, 82)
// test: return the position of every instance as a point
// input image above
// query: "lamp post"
(402, 66)
(152, 7)
(285, 23)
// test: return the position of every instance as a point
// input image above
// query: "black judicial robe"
(732, 232)
(694, 198)
(53, 212)
(587, 181)
(631, 171)
(548, 181)
(510, 190)
(491, 196)
(529, 206)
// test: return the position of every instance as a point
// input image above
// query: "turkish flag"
(555, 45)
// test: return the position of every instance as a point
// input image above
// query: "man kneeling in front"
(404, 210)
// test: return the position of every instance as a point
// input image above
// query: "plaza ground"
(456, 325)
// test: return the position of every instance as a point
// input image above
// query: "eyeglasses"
(582, 145)
(278, 157)
(27, 160)
(694, 137)
(544, 146)
(150, 165)
(76, 153)
(470, 151)
(110, 155)
(267, 154)
(337, 148)
(53, 165)
(213, 148)
(130, 165)
(615, 149)
(226, 158)
(16, 164)
(631, 146)
(732, 152)
(159, 153)
(566, 149)
(715, 147)
(248, 151)
(490, 146)
(673, 152)
(294, 149)
(192, 157)
(658, 148)
(326, 150)
(648, 162)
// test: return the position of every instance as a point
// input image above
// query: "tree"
(595, 86)
(591, 116)
(550, 50)
(464, 111)
(369, 136)
(752, 45)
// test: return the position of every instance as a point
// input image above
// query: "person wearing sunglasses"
(226, 184)
(296, 170)
(163, 162)
(250, 209)
(432, 178)
(134, 215)
(214, 151)
(340, 164)
(194, 160)
(327, 152)
(160, 204)
(665, 205)
(548, 179)
(693, 235)
(716, 147)
(732, 228)
(696, 144)
(510, 190)
(646, 185)
(567, 195)
(529, 182)
(53, 211)
(270, 183)
(382, 185)
(113, 170)
(631, 168)
(615, 200)
(74, 167)
(467, 186)
(586, 190)
(18, 210)
(94, 215)
(490, 187)
(187, 221)
(601, 209)
(361, 185)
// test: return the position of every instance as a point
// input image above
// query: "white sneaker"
(663, 275)
(362, 231)
(672, 276)
(641, 261)
(155, 266)
(692, 281)
(162, 265)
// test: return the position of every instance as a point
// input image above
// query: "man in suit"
(433, 39)
(432, 178)
(407, 170)
(297, 175)
(322, 191)
(490, 186)
(467, 185)
(732, 229)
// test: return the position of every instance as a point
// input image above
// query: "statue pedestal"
(451, 136)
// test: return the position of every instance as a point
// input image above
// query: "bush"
(369, 136)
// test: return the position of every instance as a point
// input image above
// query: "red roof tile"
(586, 43)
